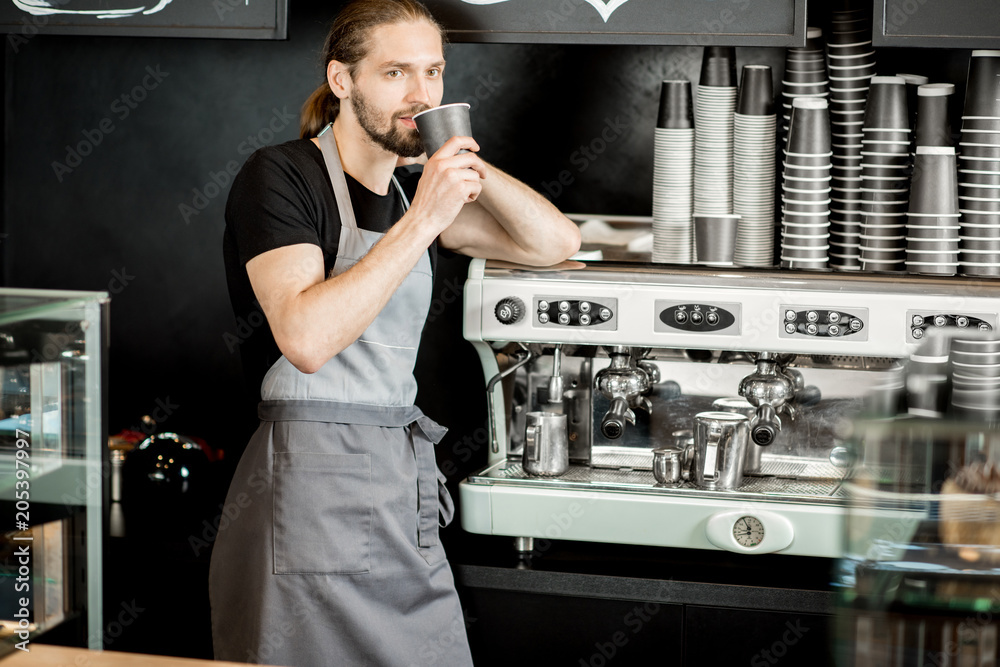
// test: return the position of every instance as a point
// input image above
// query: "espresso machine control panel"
(596, 313)
(919, 322)
(823, 322)
(688, 317)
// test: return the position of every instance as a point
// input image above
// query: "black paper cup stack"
(673, 175)
(754, 135)
(932, 222)
(851, 65)
(975, 378)
(713, 132)
(979, 167)
(933, 126)
(805, 75)
(805, 187)
(913, 83)
(885, 161)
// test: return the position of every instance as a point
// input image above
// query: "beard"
(403, 142)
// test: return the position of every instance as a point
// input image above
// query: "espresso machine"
(618, 363)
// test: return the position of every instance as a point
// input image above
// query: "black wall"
(127, 195)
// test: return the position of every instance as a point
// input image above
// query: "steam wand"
(494, 441)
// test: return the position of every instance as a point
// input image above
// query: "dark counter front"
(601, 604)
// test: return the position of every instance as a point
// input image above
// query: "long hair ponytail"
(347, 42)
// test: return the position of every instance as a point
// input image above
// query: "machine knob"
(696, 317)
(509, 310)
(605, 314)
(812, 316)
(564, 306)
(918, 320)
(940, 320)
(833, 317)
(812, 329)
(680, 316)
(584, 319)
(917, 333)
(833, 330)
(543, 306)
(856, 324)
(563, 318)
(712, 318)
(962, 321)
(983, 326)
(543, 318)
(790, 315)
(584, 307)
(790, 328)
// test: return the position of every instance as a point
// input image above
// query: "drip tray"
(781, 478)
(772, 465)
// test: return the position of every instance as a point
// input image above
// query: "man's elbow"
(300, 353)
(562, 248)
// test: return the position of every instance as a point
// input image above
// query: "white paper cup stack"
(673, 176)
(754, 135)
(713, 143)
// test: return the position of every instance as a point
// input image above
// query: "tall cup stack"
(673, 160)
(805, 75)
(805, 187)
(885, 162)
(713, 127)
(851, 65)
(754, 135)
(979, 167)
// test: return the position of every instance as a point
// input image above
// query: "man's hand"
(450, 181)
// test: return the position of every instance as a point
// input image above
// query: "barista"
(334, 557)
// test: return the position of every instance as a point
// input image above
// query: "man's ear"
(338, 76)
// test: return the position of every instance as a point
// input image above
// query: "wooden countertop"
(60, 656)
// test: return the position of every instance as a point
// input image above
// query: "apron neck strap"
(331, 155)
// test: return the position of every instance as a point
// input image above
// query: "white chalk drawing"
(605, 9)
(53, 7)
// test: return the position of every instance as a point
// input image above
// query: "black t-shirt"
(282, 196)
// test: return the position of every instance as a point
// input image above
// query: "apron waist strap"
(337, 412)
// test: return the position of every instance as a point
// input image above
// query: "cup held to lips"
(439, 124)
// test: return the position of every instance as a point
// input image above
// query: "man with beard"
(329, 552)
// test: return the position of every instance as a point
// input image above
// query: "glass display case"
(53, 465)
(920, 581)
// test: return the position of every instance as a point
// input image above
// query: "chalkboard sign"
(238, 19)
(959, 24)
(676, 22)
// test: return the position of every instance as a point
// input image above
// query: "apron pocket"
(322, 513)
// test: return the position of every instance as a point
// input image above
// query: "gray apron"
(328, 550)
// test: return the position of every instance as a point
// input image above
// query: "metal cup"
(720, 442)
(546, 445)
(667, 465)
(741, 406)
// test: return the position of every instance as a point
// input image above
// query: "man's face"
(400, 76)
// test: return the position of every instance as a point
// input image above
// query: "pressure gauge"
(748, 531)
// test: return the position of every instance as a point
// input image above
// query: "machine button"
(918, 320)
(509, 310)
(680, 316)
(940, 320)
(605, 314)
(563, 318)
(790, 315)
(712, 318)
(543, 318)
(917, 333)
(833, 317)
(564, 306)
(856, 324)
(789, 328)
(833, 330)
(983, 326)
(584, 319)
(812, 329)
(584, 307)
(812, 316)
(962, 321)
(543, 306)
(696, 317)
